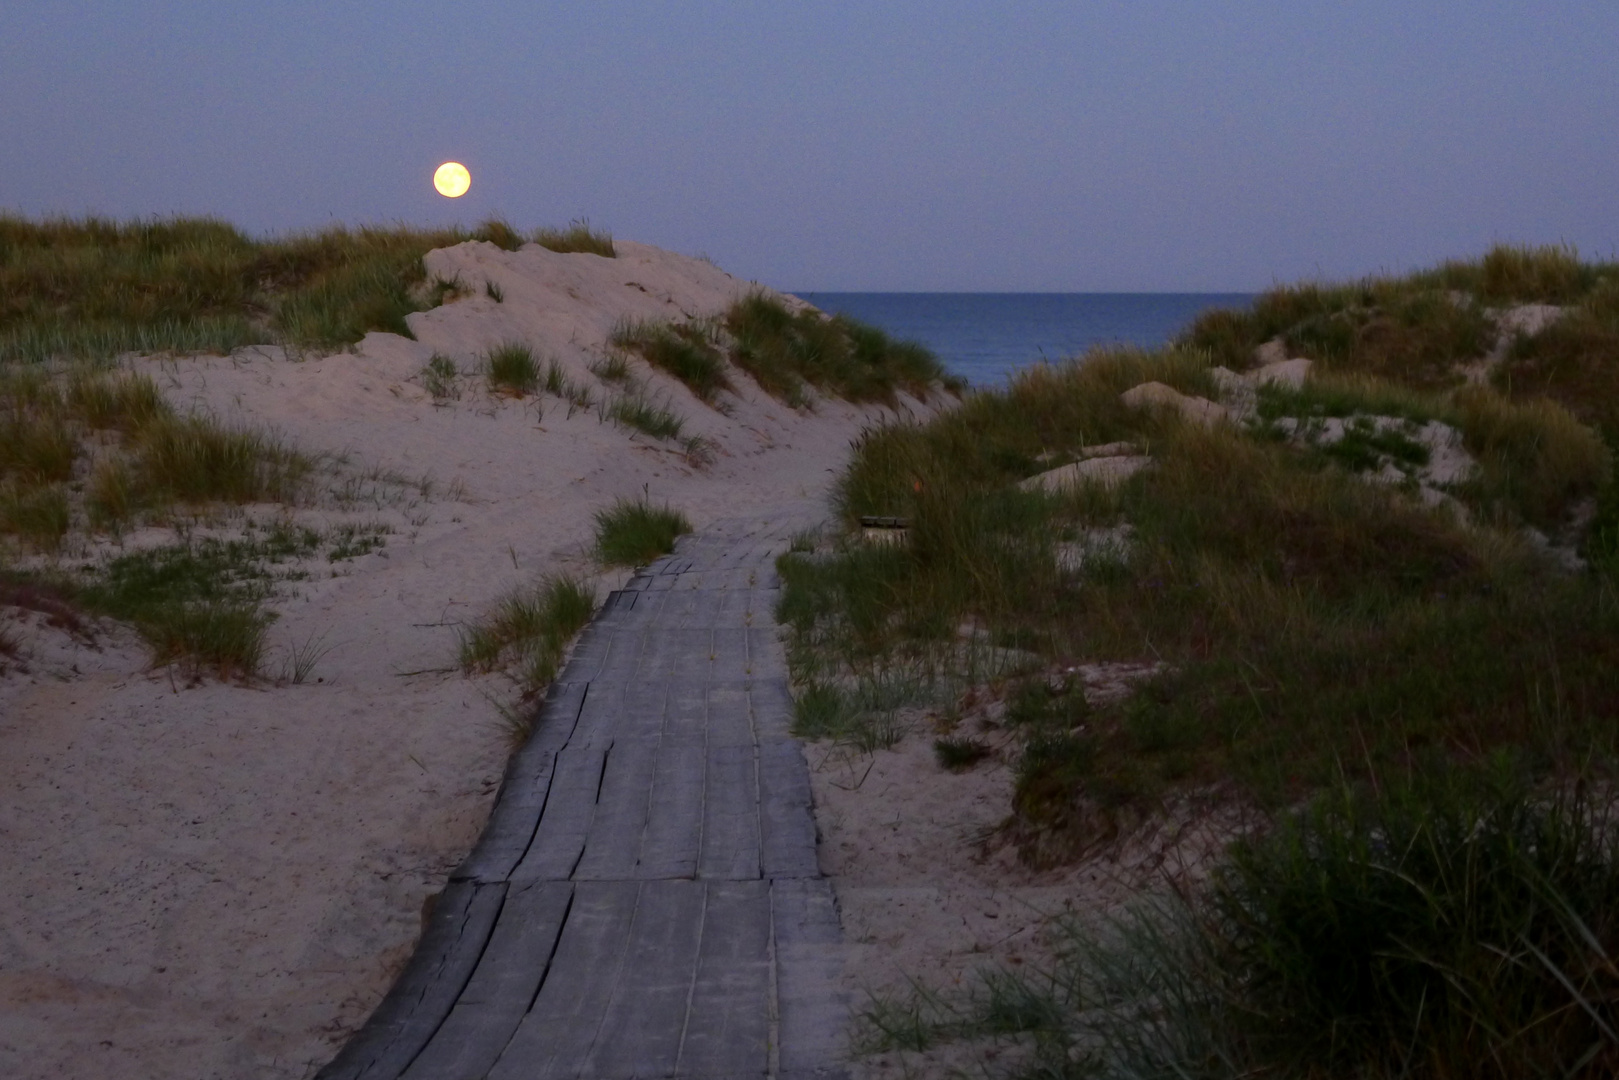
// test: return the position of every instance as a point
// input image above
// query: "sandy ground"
(220, 880)
(932, 892)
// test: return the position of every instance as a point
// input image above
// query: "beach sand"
(221, 880)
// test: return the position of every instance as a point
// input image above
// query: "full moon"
(452, 179)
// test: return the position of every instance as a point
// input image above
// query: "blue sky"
(1066, 146)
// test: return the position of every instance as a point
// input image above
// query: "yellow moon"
(452, 179)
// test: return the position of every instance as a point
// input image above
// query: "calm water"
(986, 336)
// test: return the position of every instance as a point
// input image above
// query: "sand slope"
(221, 880)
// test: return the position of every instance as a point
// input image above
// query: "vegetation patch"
(98, 451)
(557, 383)
(578, 237)
(688, 351)
(1414, 330)
(638, 412)
(512, 369)
(528, 631)
(1404, 658)
(633, 532)
(441, 378)
(784, 351)
(1310, 623)
(94, 288)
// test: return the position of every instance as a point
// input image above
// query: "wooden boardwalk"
(645, 901)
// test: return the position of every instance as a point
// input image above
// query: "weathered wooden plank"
(642, 710)
(674, 827)
(767, 657)
(813, 1011)
(787, 822)
(598, 715)
(685, 716)
(462, 919)
(728, 1030)
(497, 997)
(772, 701)
(730, 848)
(523, 791)
(619, 605)
(641, 1027)
(560, 838)
(555, 1038)
(729, 715)
(682, 654)
(613, 844)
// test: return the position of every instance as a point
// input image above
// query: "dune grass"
(1412, 329)
(687, 350)
(87, 451)
(199, 604)
(1311, 624)
(1574, 361)
(441, 378)
(93, 288)
(102, 450)
(614, 367)
(511, 369)
(528, 630)
(1435, 926)
(633, 532)
(558, 383)
(1407, 662)
(578, 237)
(634, 410)
(784, 351)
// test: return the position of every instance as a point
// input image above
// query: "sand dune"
(221, 880)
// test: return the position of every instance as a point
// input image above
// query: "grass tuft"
(687, 351)
(441, 378)
(512, 369)
(637, 412)
(958, 753)
(528, 630)
(612, 368)
(578, 237)
(39, 516)
(499, 233)
(633, 532)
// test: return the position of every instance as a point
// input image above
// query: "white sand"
(221, 880)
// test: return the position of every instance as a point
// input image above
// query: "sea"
(985, 337)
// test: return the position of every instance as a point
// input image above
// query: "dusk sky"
(1072, 146)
